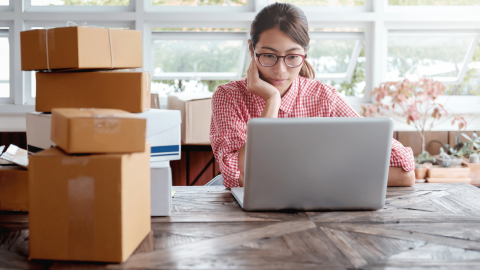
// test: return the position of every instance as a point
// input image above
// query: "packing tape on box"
(104, 123)
(73, 24)
(81, 234)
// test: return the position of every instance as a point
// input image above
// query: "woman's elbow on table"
(397, 177)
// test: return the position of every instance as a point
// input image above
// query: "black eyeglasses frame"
(257, 55)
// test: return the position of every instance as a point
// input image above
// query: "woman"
(280, 83)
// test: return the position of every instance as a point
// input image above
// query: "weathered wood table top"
(428, 226)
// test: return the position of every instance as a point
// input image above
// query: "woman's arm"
(271, 111)
(398, 177)
(272, 104)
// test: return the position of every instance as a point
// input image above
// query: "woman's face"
(277, 42)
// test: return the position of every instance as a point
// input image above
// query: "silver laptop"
(316, 164)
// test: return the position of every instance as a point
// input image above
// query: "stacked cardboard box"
(94, 206)
(68, 50)
(163, 132)
(90, 195)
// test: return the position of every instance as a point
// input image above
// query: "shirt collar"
(288, 100)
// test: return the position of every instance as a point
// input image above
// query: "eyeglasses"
(270, 59)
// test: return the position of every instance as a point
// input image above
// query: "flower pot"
(420, 173)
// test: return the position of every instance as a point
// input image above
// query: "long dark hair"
(289, 19)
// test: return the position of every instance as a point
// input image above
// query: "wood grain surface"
(428, 226)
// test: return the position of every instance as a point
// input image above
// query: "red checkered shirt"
(233, 106)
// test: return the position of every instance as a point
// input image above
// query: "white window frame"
(83, 9)
(6, 34)
(377, 19)
(357, 36)
(250, 7)
(431, 33)
(203, 36)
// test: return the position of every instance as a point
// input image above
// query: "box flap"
(16, 155)
(160, 120)
(189, 96)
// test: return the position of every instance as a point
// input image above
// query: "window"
(199, 2)
(4, 64)
(327, 3)
(434, 2)
(443, 56)
(334, 58)
(197, 61)
(80, 2)
(4, 2)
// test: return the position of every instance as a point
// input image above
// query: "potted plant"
(414, 102)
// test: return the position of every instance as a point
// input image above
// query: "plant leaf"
(466, 136)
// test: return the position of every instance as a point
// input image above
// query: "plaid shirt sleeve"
(400, 156)
(228, 133)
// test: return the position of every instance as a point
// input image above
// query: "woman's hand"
(259, 87)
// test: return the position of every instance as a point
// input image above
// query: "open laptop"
(316, 164)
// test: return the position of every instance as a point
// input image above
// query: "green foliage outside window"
(356, 86)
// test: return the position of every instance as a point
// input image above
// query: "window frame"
(203, 36)
(7, 34)
(80, 9)
(475, 35)
(359, 37)
(250, 7)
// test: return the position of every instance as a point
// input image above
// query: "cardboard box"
(163, 132)
(128, 91)
(81, 48)
(78, 131)
(88, 207)
(196, 112)
(161, 188)
(13, 188)
(39, 126)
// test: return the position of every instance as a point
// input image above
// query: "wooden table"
(429, 226)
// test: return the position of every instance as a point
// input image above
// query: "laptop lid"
(317, 163)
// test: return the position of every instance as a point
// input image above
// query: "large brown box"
(88, 207)
(81, 48)
(78, 131)
(13, 188)
(196, 110)
(128, 91)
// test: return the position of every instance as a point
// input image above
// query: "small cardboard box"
(39, 126)
(13, 188)
(196, 113)
(81, 48)
(161, 188)
(88, 207)
(163, 132)
(81, 131)
(128, 91)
